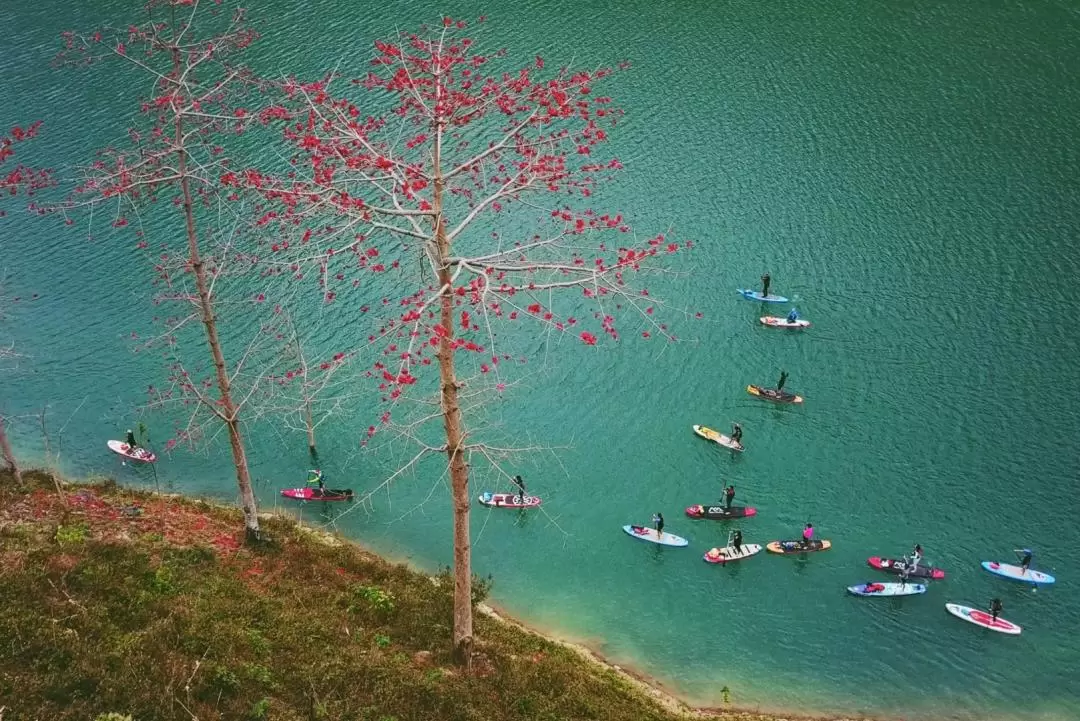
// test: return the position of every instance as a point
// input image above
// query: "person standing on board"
(783, 379)
(132, 445)
(729, 496)
(1026, 560)
(736, 542)
(736, 433)
(658, 521)
(315, 477)
(808, 535)
(916, 556)
(765, 280)
(517, 481)
(995, 609)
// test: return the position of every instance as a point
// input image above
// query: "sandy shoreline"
(652, 687)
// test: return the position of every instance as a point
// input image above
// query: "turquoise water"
(908, 173)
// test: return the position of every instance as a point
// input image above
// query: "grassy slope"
(163, 615)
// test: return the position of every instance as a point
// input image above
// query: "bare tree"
(194, 104)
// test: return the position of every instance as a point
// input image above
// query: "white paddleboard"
(645, 533)
(775, 322)
(723, 554)
(717, 437)
(982, 618)
(140, 454)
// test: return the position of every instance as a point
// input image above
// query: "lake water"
(909, 174)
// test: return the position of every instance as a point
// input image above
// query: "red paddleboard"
(139, 454)
(313, 494)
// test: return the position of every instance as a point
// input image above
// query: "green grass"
(162, 616)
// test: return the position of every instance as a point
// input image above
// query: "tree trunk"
(310, 426)
(8, 455)
(228, 410)
(455, 452)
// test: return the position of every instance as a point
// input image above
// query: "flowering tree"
(20, 179)
(469, 187)
(175, 154)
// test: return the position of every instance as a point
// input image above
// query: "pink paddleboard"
(312, 494)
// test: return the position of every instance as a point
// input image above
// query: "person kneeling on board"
(808, 535)
(792, 316)
(132, 445)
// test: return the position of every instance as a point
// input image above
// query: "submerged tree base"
(153, 606)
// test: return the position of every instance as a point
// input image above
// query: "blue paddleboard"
(1016, 573)
(887, 589)
(754, 295)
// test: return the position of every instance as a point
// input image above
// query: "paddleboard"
(887, 589)
(890, 565)
(507, 500)
(312, 494)
(1016, 573)
(724, 554)
(776, 322)
(798, 547)
(982, 618)
(771, 394)
(717, 437)
(140, 454)
(646, 533)
(755, 295)
(719, 513)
